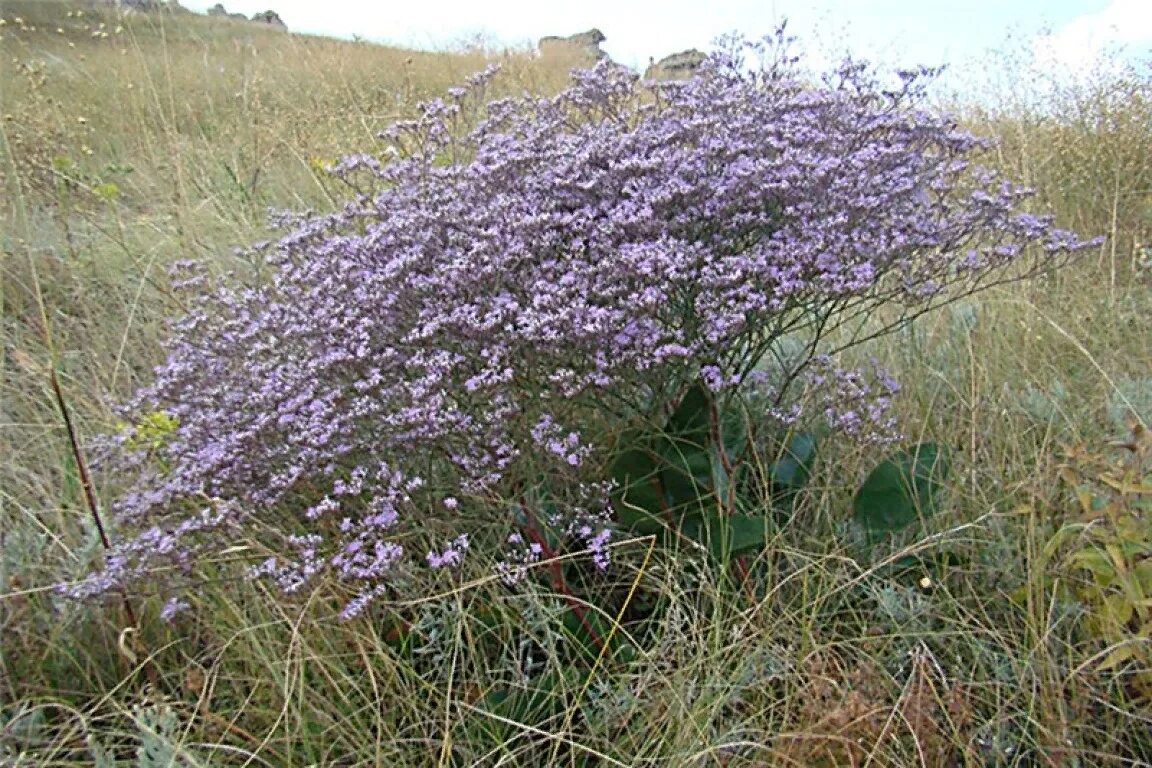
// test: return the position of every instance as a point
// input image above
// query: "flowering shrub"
(492, 304)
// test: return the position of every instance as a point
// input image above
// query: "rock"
(271, 18)
(268, 17)
(678, 66)
(586, 44)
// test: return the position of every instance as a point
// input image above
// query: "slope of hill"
(132, 141)
(218, 99)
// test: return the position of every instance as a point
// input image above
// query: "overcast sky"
(1066, 33)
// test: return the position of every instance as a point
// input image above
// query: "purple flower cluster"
(451, 555)
(855, 402)
(549, 436)
(556, 265)
(521, 554)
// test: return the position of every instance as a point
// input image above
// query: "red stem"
(558, 582)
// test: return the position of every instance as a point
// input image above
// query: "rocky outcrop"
(267, 17)
(585, 44)
(678, 66)
(270, 18)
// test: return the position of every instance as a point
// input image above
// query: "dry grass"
(128, 143)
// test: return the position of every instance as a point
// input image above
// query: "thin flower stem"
(94, 509)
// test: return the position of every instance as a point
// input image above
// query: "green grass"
(153, 138)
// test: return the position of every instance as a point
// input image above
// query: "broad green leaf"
(691, 418)
(726, 536)
(792, 470)
(638, 495)
(1115, 611)
(723, 483)
(686, 469)
(901, 490)
(1095, 561)
(669, 480)
(734, 431)
(1142, 573)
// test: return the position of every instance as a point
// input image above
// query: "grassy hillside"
(131, 142)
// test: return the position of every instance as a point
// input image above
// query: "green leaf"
(1095, 561)
(734, 431)
(580, 634)
(792, 470)
(667, 480)
(901, 490)
(723, 484)
(686, 466)
(691, 418)
(726, 536)
(638, 496)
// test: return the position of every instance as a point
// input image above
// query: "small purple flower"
(172, 607)
(451, 555)
(713, 377)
